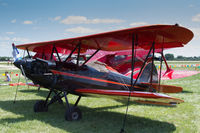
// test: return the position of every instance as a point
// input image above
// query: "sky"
(27, 21)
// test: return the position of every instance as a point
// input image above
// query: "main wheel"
(40, 106)
(73, 115)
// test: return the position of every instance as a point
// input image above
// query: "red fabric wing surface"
(167, 36)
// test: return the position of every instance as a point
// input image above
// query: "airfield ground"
(100, 115)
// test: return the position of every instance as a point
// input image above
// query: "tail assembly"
(164, 88)
(145, 79)
(169, 71)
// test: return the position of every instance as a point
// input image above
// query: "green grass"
(4, 63)
(100, 115)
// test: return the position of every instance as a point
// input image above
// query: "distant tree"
(4, 58)
(181, 58)
(169, 56)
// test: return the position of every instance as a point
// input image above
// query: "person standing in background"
(8, 78)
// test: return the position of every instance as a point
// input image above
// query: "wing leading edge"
(166, 36)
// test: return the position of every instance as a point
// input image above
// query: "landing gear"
(73, 113)
(40, 106)
(57, 98)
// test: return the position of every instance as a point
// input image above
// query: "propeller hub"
(20, 62)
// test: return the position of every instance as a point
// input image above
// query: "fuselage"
(67, 76)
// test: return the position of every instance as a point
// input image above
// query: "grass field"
(100, 115)
(178, 65)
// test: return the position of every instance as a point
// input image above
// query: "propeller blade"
(15, 53)
(17, 57)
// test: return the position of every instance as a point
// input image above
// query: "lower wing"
(137, 96)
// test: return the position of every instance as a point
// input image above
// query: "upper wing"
(167, 36)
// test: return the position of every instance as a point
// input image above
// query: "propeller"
(18, 62)
(17, 58)
(15, 53)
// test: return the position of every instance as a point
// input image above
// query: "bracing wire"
(161, 60)
(132, 85)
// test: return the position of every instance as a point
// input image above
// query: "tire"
(40, 106)
(74, 115)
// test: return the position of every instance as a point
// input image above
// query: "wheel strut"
(72, 113)
(42, 106)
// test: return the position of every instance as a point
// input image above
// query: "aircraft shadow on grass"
(94, 119)
(187, 91)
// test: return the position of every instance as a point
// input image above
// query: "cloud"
(188, 50)
(138, 23)
(28, 22)
(13, 21)
(82, 30)
(55, 18)
(74, 20)
(10, 33)
(14, 39)
(196, 18)
(20, 39)
(4, 44)
(85, 20)
(5, 38)
(196, 32)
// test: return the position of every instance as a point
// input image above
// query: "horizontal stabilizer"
(165, 88)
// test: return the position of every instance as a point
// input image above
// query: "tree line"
(167, 56)
(5, 58)
(181, 58)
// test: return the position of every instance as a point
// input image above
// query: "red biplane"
(93, 78)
